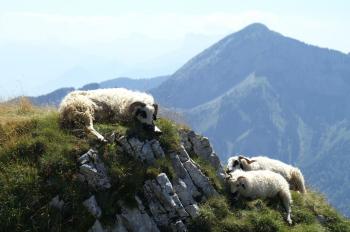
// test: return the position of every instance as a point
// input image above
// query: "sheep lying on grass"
(261, 184)
(292, 174)
(82, 108)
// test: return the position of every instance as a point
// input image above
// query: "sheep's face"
(237, 185)
(147, 114)
(233, 164)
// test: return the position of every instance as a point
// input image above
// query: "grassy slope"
(38, 161)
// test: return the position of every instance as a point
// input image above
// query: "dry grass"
(21, 110)
(15, 117)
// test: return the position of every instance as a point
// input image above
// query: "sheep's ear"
(134, 105)
(155, 111)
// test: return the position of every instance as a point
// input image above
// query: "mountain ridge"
(238, 66)
(301, 116)
(54, 98)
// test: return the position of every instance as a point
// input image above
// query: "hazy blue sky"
(49, 44)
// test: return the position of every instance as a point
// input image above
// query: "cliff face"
(164, 202)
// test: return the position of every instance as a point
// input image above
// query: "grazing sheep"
(82, 108)
(292, 174)
(261, 184)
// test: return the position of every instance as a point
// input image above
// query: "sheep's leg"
(286, 199)
(92, 130)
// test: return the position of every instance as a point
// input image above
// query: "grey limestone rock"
(96, 227)
(201, 146)
(93, 170)
(164, 203)
(135, 219)
(56, 203)
(199, 179)
(92, 206)
(147, 151)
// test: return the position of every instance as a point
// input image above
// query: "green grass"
(221, 214)
(38, 162)
(170, 139)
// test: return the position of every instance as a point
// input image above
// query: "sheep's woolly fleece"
(292, 174)
(81, 108)
(117, 100)
(262, 184)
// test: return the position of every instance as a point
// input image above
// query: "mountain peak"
(256, 27)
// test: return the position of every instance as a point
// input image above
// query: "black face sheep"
(82, 108)
(261, 184)
(292, 174)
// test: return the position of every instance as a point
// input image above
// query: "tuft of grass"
(163, 165)
(118, 128)
(170, 138)
(21, 110)
(211, 213)
(24, 106)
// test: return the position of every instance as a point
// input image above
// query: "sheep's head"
(238, 162)
(145, 114)
(233, 164)
(237, 184)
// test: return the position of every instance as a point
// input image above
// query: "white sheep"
(82, 108)
(292, 174)
(261, 184)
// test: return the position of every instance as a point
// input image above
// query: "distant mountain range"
(54, 98)
(259, 92)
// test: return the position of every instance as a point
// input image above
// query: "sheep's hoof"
(157, 131)
(103, 140)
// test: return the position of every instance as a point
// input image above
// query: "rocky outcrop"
(92, 206)
(164, 203)
(135, 219)
(147, 151)
(201, 146)
(93, 170)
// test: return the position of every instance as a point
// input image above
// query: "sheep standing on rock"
(292, 174)
(82, 108)
(261, 184)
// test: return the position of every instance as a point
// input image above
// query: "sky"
(45, 44)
